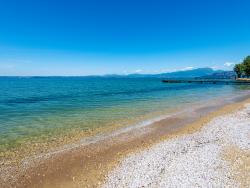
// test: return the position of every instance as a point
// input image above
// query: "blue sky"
(73, 37)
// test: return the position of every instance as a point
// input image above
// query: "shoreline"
(218, 154)
(87, 165)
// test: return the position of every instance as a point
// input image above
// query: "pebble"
(193, 160)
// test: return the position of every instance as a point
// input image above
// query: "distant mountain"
(194, 73)
(189, 73)
(180, 74)
(219, 75)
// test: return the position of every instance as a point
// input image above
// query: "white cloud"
(174, 70)
(229, 64)
(215, 67)
(138, 70)
(187, 68)
(127, 72)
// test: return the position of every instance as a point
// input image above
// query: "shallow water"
(40, 107)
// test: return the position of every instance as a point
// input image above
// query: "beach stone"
(192, 160)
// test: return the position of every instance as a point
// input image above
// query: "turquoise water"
(35, 107)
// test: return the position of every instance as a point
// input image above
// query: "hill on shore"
(203, 73)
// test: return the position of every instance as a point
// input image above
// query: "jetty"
(233, 82)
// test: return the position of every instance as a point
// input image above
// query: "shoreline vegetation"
(88, 165)
(242, 70)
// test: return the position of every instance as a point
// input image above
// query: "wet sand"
(85, 165)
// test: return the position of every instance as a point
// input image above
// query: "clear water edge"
(38, 110)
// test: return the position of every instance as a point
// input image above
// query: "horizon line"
(115, 74)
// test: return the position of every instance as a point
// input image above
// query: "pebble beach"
(218, 155)
(203, 146)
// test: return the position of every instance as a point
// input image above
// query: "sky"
(96, 37)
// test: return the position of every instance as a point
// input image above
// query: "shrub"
(246, 64)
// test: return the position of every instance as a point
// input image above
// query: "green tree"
(239, 69)
(246, 64)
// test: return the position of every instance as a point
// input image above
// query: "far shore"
(89, 165)
(243, 79)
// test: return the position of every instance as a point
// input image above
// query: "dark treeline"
(243, 69)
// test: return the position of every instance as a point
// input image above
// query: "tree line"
(243, 69)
